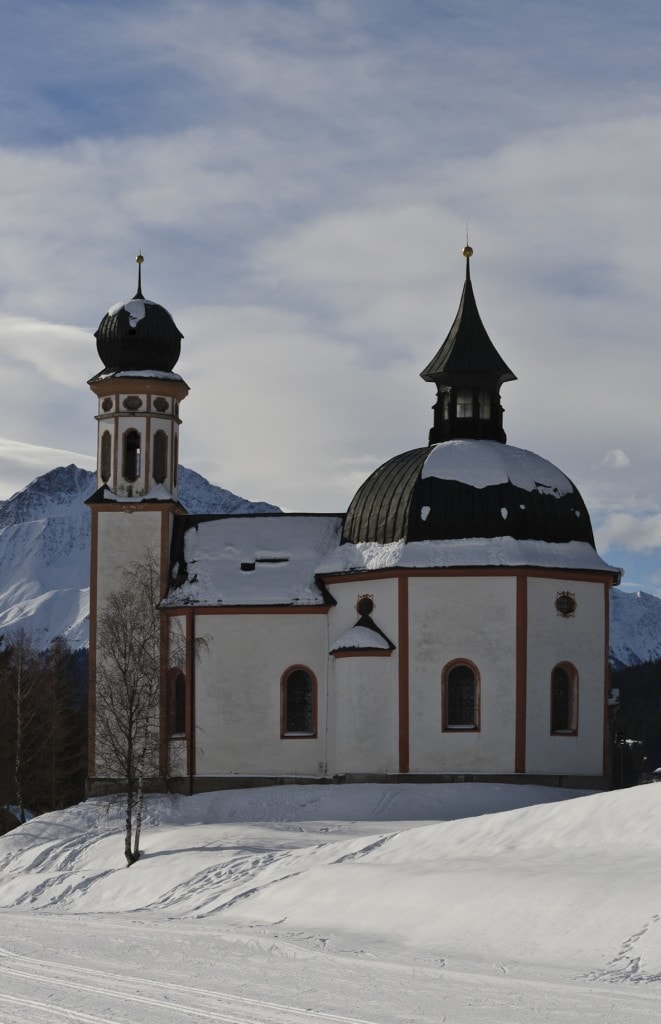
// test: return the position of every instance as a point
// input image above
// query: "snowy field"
(381, 904)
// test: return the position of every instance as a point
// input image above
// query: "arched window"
(132, 454)
(106, 449)
(298, 711)
(484, 402)
(177, 702)
(464, 405)
(160, 456)
(461, 697)
(564, 700)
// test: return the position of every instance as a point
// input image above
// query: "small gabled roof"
(468, 349)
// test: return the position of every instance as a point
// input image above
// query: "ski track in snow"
(182, 999)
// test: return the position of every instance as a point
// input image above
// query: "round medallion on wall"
(160, 404)
(565, 604)
(132, 403)
(106, 404)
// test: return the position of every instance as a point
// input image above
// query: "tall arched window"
(464, 405)
(298, 703)
(106, 450)
(160, 456)
(132, 455)
(564, 700)
(461, 697)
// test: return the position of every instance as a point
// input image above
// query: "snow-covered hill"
(44, 563)
(44, 549)
(373, 903)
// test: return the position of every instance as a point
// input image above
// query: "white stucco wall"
(462, 618)
(123, 538)
(238, 676)
(580, 640)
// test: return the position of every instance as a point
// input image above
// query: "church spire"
(468, 373)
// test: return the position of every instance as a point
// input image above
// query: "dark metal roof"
(398, 503)
(150, 342)
(468, 349)
(380, 510)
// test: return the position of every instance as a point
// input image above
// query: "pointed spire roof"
(467, 348)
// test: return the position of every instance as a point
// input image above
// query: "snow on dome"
(465, 488)
(136, 309)
(489, 463)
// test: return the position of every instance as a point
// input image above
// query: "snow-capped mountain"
(44, 563)
(45, 543)
(635, 634)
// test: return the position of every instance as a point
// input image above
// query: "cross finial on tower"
(139, 260)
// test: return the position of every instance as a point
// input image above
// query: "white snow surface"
(478, 551)
(361, 638)
(489, 463)
(135, 309)
(280, 555)
(375, 903)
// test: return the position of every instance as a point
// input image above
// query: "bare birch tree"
(128, 690)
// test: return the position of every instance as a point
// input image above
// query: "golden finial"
(139, 258)
(467, 251)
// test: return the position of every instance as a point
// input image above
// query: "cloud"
(21, 462)
(633, 533)
(616, 459)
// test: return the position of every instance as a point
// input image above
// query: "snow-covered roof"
(477, 551)
(253, 560)
(361, 638)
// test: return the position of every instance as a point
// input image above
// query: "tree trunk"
(138, 821)
(128, 833)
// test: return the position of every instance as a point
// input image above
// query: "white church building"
(452, 625)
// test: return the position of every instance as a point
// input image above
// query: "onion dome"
(465, 489)
(138, 335)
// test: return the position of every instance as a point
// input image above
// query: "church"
(451, 626)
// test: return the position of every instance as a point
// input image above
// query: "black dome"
(465, 489)
(138, 335)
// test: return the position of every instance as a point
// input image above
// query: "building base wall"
(188, 786)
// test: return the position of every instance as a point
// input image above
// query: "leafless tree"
(128, 654)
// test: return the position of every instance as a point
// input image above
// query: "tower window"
(132, 455)
(484, 402)
(298, 703)
(106, 449)
(445, 405)
(464, 405)
(564, 700)
(160, 456)
(461, 697)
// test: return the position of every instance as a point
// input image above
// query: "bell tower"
(134, 506)
(138, 399)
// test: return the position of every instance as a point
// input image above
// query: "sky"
(352, 904)
(300, 177)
